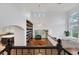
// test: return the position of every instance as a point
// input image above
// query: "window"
(74, 24)
(75, 31)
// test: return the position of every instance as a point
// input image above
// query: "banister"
(2, 51)
(58, 47)
(52, 38)
(45, 47)
(41, 47)
(61, 45)
(66, 51)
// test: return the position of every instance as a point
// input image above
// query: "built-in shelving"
(29, 28)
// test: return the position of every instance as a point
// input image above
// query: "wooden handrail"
(24, 47)
(66, 51)
(52, 38)
(2, 51)
(62, 47)
(46, 47)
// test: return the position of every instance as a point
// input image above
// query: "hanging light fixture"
(38, 13)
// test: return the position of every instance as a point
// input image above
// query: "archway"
(19, 34)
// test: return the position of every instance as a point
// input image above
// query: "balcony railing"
(35, 50)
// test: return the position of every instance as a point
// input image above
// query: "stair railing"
(7, 48)
(59, 46)
(52, 38)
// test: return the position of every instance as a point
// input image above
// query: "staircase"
(52, 40)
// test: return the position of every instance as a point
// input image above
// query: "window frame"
(72, 23)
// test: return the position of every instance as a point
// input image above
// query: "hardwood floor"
(42, 42)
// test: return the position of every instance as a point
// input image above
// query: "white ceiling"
(45, 7)
(56, 7)
(9, 12)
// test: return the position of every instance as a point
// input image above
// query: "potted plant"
(66, 33)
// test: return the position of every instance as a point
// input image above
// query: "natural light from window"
(74, 24)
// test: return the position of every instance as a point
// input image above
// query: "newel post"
(59, 46)
(8, 47)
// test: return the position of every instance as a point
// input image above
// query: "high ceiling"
(11, 12)
(57, 7)
(45, 7)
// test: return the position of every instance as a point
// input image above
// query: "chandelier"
(38, 13)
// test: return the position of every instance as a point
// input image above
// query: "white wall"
(55, 22)
(19, 37)
(10, 15)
